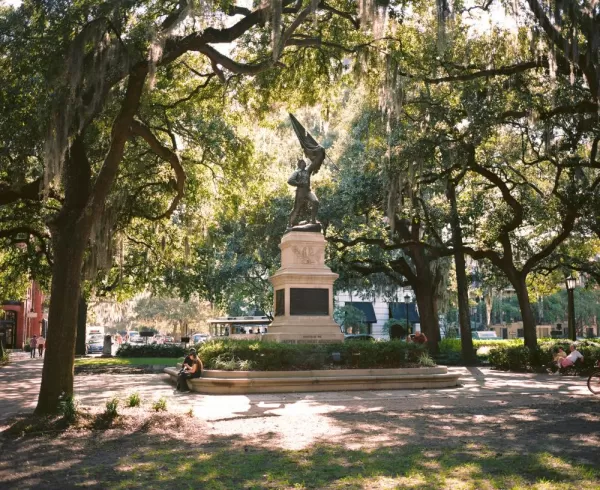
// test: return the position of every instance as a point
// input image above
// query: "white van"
(93, 330)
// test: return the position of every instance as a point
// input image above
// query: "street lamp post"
(406, 301)
(571, 281)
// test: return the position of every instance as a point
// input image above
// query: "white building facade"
(377, 309)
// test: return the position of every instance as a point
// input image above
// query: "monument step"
(334, 380)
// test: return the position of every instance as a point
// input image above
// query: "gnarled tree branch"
(140, 129)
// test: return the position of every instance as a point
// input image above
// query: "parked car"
(359, 336)
(199, 338)
(95, 344)
(169, 340)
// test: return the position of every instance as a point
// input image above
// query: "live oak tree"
(95, 118)
(520, 135)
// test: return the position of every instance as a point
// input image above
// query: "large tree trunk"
(57, 374)
(425, 296)
(526, 312)
(428, 316)
(81, 326)
(70, 234)
(466, 340)
(424, 286)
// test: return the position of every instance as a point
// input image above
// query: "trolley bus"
(239, 327)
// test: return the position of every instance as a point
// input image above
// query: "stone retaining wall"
(242, 382)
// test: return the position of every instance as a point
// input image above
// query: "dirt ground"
(496, 420)
(101, 458)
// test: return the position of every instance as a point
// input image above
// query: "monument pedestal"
(303, 298)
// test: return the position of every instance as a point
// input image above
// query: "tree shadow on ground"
(571, 429)
(429, 450)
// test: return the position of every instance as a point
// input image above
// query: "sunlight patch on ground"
(384, 483)
(590, 417)
(526, 415)
(484, 419)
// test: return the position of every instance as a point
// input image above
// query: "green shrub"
(271, 356)
(451, 351)
(520, 358)
(134, 400)
(111, 408)
(351, 319)
(68, 407)
(225, 362)
(160, 405)
(454, 345)
(425, 360)
(151, 350)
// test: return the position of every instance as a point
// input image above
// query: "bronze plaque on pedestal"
(309, 302)
(280, 302)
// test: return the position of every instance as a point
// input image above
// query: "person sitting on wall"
(558, 354)
(419, 338)
(189, 372)
(188, 360)
(571, 358)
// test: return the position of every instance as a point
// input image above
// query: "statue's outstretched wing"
(313, 150)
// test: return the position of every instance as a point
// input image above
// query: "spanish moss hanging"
(80, 92)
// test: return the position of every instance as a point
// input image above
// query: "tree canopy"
(143, 147)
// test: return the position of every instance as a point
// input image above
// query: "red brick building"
(20, 320)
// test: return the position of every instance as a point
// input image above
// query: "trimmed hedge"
(451, 351)
(521, 358)
(453, 345)
(271, 356)
(151, 350)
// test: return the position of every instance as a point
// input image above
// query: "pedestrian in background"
(41, 343)
(33, 345)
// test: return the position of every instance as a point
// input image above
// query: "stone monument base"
(242, 382)
(303, 298)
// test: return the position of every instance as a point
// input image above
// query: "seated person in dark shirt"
(189, 371)
(188, 359)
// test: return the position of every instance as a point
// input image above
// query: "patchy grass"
(127, 361)
(335, 467)
(134, 400)
(142, 449)
(129, 420)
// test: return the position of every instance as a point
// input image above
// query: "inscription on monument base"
(310, 339)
